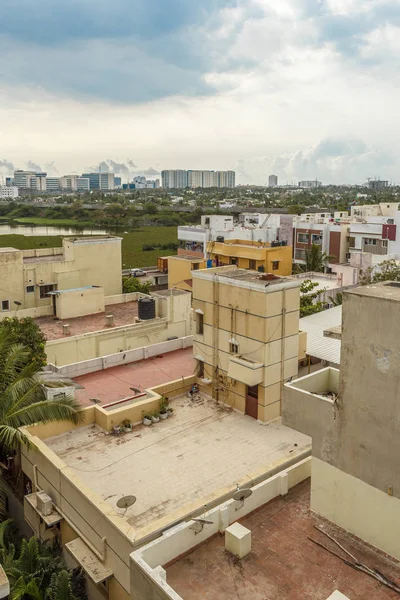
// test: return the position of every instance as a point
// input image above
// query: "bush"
(132, 284)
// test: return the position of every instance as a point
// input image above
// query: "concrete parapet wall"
(146, 581)
(34, 313)
(121, 358)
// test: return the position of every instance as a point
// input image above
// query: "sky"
(303, 89)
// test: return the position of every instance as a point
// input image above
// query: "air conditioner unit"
(44, 503)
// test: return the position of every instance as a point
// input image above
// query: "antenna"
(240, 496)
(125, 502)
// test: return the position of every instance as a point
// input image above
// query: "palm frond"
(65, 409)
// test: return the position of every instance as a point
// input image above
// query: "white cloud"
(268, 80)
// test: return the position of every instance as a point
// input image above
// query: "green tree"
(337, 300)
(316, 260)
(22, 396)
(36, 571)
(309, 299)
(26, 332)
(387, 270)
(132, 284)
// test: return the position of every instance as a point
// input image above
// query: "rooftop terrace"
(246, 277)
(124, 314)
(283, 564)
(176, 466)
(116, 383)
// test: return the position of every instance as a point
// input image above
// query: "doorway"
(252, 401)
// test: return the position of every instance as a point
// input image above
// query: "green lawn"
(132, 242)
(54, 222)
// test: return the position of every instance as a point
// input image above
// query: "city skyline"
(266, 89)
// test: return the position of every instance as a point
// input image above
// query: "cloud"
(150, 172)
(332, 160)
(7, 165)
(32, 166)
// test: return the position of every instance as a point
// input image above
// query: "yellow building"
(82, 263)
(180, 271)
(247, 337)
(257, 256)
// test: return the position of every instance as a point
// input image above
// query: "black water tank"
(220, 238)
(147, 308)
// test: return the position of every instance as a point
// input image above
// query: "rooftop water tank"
(146, 308)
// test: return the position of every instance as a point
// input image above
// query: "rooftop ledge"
(309, 404)
(245, 370)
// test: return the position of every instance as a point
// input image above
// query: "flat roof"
(124, 314)
(284, 563)
(247, 278)
(170, 292)
(318, 345)
(387, 290)
(78, 289)
(176, 466)
(116, 383)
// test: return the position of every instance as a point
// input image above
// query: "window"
(200, 371)
(5, 305)
(233, 261)
(316, 238)
(207, 221)
(252, 264)
(370, 241)
(302, 238)
(30, 289)
(233, 347)
(275, 265)
(45, 289)
(200, 324)
(195, 266)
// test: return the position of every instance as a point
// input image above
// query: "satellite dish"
(198, 525)
(203, 521)
(136, 390)
(240, 496)
(125, 502)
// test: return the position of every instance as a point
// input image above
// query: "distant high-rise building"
(52, 184)
(100, 181)
(310, 184)
(179, 179)
(272, 181)
(25, 179)
(117, 181)
(377, 184)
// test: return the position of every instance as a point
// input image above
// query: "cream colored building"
(29, 276)
(180, 271)
(247, 337)
(352, 417)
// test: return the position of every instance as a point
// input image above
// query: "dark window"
(201, 369)
(233, 261)
(200, 324)
(195, 266)
(252, 264)
(302, 238)
(30, 289)
(275, 265)
(45, 289)
(233, 348)
(5, 305)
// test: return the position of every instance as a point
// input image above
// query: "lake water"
(49, 230)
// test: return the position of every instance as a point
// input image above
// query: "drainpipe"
(100, 555)
(283, 341)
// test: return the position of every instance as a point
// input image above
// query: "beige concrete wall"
(81, 302)
(81, 262)
(254, 318)
(365, 511)
(68, 350)
(179, 270)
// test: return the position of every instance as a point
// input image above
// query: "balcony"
(245, 370)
